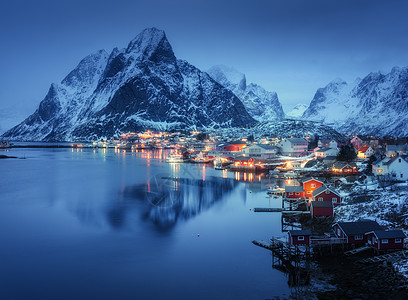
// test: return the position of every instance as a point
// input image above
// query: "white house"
(396, 167)
(394, 150)
(325, 152)
(293, 147)
(365, 152)
(327, 144)
(261, 151)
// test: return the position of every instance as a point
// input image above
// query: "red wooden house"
(325, 193)
(344, 168)
(354, 232)
(310, 184)
(299, 237)
(321, 209)
(386, 239)
(294, 192)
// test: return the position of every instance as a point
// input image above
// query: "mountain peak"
(151, 44)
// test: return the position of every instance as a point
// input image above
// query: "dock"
(391, 256)
(282, 210)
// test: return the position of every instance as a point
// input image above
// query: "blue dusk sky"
(291, 47)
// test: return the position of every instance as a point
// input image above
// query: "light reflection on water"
(125, 225)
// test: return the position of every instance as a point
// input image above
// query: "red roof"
(363, 149)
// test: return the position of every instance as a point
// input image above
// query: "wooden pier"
(282, 210)
(391, 256)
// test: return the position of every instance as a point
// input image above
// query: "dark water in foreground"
(120, 225)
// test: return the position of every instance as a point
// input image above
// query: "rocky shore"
(359, 281)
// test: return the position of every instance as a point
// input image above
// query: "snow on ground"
(388, 206)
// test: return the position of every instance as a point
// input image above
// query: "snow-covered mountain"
(374, 105)
(260, 104)
(297, 111)
(139, 87)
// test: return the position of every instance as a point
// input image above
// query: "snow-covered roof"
(297, 140)
(293, 189)
(343, 164)
(267, 147)
(322, 189)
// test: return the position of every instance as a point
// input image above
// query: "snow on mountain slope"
(260, 104)
(375, 105)
(297, 111)
(139, 87)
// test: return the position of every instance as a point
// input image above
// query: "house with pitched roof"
(299, 237)
(325, 143)
(294, 147)
(344, 168)
(365, 152)
(326, 193)
(321, 209)
(386, 239)
(325, 152)
(396, 167)
(355, 232)
(294, 192)
(261, 151)
(310, 184)
(395, 150)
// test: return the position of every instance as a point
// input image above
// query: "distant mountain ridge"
(374, 105)
(261, 104)
(297, 111)
(143, 86)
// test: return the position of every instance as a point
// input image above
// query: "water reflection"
(168, 200)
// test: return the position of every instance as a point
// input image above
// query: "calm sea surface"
(100, 224)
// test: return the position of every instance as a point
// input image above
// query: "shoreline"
(354, 280)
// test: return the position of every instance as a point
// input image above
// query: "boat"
(175, 157)
(200, 159)
(218, 165)
(275, 190)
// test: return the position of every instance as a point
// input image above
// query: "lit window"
(312, 185)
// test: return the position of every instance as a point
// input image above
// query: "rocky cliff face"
(143, 86)
(260, 104)
(375, 105)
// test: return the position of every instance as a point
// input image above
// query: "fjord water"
(105, 224)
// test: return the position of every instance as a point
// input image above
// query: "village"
(334, 198)
(343, 197)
